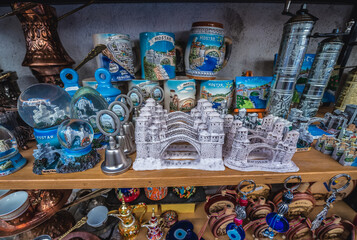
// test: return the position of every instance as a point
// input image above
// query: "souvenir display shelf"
(314, 166)
(199, 217)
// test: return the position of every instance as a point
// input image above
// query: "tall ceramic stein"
(158, 55)
(118, 58)
(207, 50)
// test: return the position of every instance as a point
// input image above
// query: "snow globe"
(85, 105)
(75, 137)
(10, 158)
(105, 87)
(44, 106)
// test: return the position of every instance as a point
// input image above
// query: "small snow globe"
(75, 137)
(44, 106)
(85, 105)
(10, 158)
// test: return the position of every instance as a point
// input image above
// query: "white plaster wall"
(256, 30)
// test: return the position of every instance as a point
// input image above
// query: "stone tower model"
(267, 147)
(160, 136)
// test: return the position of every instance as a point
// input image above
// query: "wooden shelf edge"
(314, 166)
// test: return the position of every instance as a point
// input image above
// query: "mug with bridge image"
(207, 50)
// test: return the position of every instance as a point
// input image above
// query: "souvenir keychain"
(322, 215)
(235, 229)
(276, 220)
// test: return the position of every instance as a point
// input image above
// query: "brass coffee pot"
(129, 225)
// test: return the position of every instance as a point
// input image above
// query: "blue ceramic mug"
(207, 50)
(158, 55)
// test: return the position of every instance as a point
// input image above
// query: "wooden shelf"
(199, 217)
(314, 166)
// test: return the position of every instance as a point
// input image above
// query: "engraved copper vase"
(45, 54)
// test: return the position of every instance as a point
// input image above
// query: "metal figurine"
(322, 215)
(276, 221)
(154, 227)
(293, 46)
(129, 225)
(124, 141)
(128, 126)
(116, 161)
(137, 98)
(319, 74)
(235, 230)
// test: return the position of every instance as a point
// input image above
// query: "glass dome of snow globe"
(85, 105)
(10, 158)
(44, 106)
(75, 135)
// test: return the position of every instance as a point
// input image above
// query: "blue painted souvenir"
(44, 106)
(207, 50)
(85, 105)
(182, 230)
(10, 158)
(158, 55)
(105, 87)
(118, 57)
(69, 78)
(276, 220)
(217, 91)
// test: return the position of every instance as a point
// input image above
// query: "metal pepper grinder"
(116, 161)
(293, 46)
(321, 70)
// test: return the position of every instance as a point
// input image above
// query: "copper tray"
(7, 230)
(81, 235)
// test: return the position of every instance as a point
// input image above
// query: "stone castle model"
(268, 146)
(159, 136)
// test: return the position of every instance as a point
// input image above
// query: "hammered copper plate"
(7, 230)
(81, 235)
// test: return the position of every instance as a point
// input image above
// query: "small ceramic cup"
(97, 216)
(4, 192)
(15, 208)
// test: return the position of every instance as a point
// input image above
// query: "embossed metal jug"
(129, 225)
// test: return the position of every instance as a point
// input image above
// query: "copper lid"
(207, 24)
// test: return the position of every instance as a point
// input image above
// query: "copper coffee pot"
(45, 54)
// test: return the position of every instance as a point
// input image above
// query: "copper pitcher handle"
(140, 205)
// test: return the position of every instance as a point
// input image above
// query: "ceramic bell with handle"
(129, 225)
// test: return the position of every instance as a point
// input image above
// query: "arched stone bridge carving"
(179, 125)
(180, 138)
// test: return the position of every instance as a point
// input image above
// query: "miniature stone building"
(266, 147)
(159, 137)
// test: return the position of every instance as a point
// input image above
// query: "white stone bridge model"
(160, 136)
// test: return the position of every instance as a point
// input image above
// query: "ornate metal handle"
(138, 206)
(247, 181)
(79, 224)
(293, 187)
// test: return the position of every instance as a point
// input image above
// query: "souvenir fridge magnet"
(169, 218)
(276, 220)
(10, 158)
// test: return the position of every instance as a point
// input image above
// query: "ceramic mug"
(119, 56)
(158, 55)
(15, 208)
(207, 50)
(216, 91)
(180, 94)
(156, 193)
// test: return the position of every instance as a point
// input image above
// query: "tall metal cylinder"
(348, 94)
(319, 75)
(293, 46)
